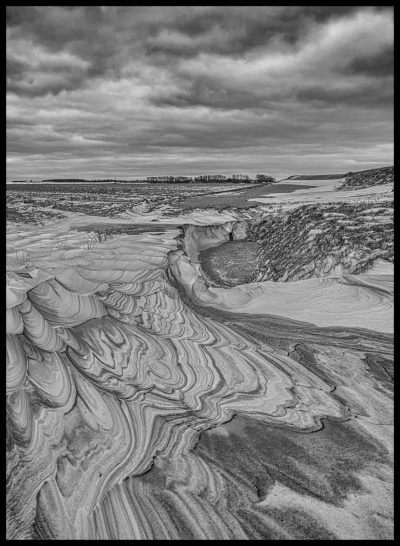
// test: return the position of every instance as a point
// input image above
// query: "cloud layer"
(126, 91)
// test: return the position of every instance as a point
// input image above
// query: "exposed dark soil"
(312, 240)
(323, 465)
(230, 263)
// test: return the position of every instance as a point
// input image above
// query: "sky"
(140, 91)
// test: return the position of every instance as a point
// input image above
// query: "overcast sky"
(125, 91)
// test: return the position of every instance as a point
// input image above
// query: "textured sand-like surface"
(144, 404)
(364, 301)
(325, 302)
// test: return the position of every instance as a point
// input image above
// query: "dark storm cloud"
(379, 66)
(148, 89)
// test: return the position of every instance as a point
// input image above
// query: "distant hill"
(316, 176)
(371, 177)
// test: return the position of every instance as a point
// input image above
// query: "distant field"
(38, 203)
(237, 199)
(116, 187)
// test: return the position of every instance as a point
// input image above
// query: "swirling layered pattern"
(110, 372)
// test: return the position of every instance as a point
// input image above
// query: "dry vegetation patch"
(315, 240)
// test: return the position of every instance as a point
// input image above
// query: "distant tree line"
(65, 180)
(236, 178)
(203, 178)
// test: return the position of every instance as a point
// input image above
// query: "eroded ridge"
(363, 300)
(116, 369)
(108, 370)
